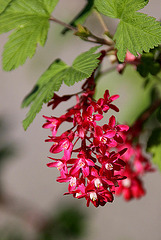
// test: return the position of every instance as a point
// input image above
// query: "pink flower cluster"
(137, 165)
(91, 161)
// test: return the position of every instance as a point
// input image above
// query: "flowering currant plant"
(100, 158)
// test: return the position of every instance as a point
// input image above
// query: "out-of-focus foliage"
(6, 149)
(68, 224)
(150, 63)
(154, 146)
(10, 234)
(159, 114)
(137, 98)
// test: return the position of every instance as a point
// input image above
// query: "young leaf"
(30, 19)
(136, 31)
(154, 146)
(52, 78)
(82, 16)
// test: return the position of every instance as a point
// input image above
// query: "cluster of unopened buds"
(96, 160)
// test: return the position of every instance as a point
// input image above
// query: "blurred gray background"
(26, 177)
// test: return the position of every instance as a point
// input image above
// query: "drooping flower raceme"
(90, 162)
(97, 160)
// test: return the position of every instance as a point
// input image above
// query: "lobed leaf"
(82, 67)
(107, 7)
(22, 44)
(53, 77)
(119, 8)
(30, 19)
(136, 32)
(50, 5)
(49, 82)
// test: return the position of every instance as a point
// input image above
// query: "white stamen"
(81, 163)
(65, 145)
(78, 194)
(90, 119)
(109, 166)
(93, 196)
(60, 166)
(97, 183)
(73, 181)
(103, 139)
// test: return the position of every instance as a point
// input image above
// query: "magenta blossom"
(92, 162)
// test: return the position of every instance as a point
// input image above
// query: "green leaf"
(82, 16)
(53, 77)
(136, 31)
(154, 146)
(4, 4)
(82, 67)
(108, 8)
(49, 82)
(119, 8)
(50, 5)
(30, 19)
(22, 44)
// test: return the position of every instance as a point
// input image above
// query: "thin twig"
(63, 24)
(101, 40)
(98, 40)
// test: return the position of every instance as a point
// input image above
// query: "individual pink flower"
(89, 118)
(60, 164)
(104, 104)
(81, 163)
(97, 196)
